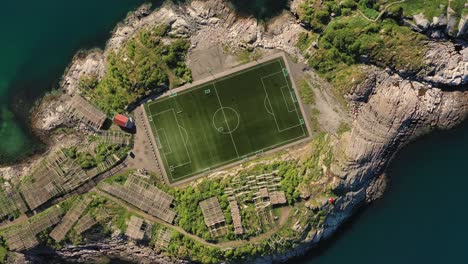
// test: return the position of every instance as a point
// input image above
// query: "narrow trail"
(381, 12)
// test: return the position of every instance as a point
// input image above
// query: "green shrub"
(145, 65)
(306, 93)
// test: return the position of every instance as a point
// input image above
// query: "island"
(202, 134)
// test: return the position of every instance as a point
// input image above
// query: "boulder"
(421, 21)
(440, 21)
(463, 26)
(451, 22)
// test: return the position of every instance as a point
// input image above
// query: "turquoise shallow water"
(423, 216)
(38, 41)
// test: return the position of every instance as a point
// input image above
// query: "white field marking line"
(171, 167)
(170, 109)
(274, 116)
(180, 132)
(240, 158)
(284, 97)
(266, 107)
(186, 133)
(165, 135)
(297, 112)
(269, 75)
(220, 131)
(225, 119)
(293, 96)
(207, 83)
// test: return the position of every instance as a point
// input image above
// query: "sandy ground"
(331, 114)
(209, 58)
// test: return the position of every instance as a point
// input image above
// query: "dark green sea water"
(38, 40)
(422, 218)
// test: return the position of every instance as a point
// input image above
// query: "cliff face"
(388, 109)
(389, 112)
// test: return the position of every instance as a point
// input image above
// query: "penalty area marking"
(185, 140)
(269, 101)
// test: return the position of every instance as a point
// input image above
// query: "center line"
(225, 119)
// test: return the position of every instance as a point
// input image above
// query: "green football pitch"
(226, 120)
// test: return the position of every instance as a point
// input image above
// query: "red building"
(124, 121)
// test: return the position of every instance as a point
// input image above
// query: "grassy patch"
(245, 56)
(314, 113)
(120, 178)
(304, 41)
(432, 8)
(343, 128)
(3, 254)
(347, 77)
(306, 92)
(350, 41)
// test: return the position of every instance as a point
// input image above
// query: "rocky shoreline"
(387, 110)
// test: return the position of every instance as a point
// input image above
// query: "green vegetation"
(187, 248)
(306, 92)
(304, 41)
(369, 8)
(344, 127)
(321, 154)
(210, 125)
(3, 251)
(347, 42)
(9, 210)
(350, 40)
(291, 178)
(188, 209)
(120, 178)
(431, 8)
(148, 63)
(317, 15)
(245, 56)
(91, 159)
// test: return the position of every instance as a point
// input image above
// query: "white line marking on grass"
(297, 112)
(220, 129)
(180, 132)
(186, 134)
(246, 156)
(266, 107)
(284, 97)
(269, 75)
(165, 135)
(225, 119)
(275, 60)
(274, 115)
(184, 140)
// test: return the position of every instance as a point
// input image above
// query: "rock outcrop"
(115, 248)
(391, 112)
(448, 24)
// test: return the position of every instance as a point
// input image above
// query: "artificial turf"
(226, 120)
